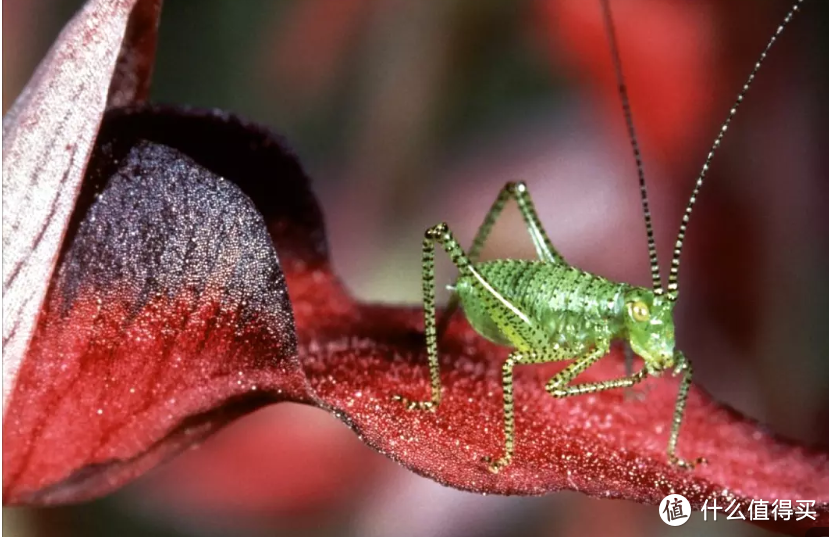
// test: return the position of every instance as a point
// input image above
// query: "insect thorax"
(564, 309)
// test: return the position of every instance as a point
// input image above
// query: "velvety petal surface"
(103, 57)
(167, 312)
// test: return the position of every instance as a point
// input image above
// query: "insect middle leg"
(546, 252)
(517, 357)
(562, 378)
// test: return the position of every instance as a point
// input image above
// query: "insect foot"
(686, 465)
(431, 406)
(498, 465)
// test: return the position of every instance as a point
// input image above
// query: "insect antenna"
(610, 28)
(673, 277)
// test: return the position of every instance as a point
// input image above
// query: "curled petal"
(48, 136)
(166, 316)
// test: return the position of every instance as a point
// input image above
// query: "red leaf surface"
(168, 317)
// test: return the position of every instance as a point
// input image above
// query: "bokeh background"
(410, 112)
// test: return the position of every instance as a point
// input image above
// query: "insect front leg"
(439, 234)
(679, 413)
(543, 247)
(558, 386)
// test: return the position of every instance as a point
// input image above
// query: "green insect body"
(547, 310)
(567, 310)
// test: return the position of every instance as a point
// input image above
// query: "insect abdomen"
(565, 305)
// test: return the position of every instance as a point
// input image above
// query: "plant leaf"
(169, 287)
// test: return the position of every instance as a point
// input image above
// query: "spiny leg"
(509, 412)
(543, 246)
(518, 191)
(679, 413)
(439, 234)
(558, 386)
(561, 378)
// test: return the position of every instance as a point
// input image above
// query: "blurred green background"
(406, 113)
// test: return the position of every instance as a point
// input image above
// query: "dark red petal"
(167, 315)
(133, 72)
(48, 135)
(353, 356)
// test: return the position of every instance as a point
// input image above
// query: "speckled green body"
(568, 310)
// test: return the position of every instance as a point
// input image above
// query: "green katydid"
(547, 310)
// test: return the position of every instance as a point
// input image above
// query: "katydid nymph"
(546, 310)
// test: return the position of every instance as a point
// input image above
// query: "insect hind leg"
(519, 192)
(439, 234)
(543, 246)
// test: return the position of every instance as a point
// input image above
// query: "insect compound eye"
(639, 311)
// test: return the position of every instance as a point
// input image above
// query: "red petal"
(354, 356)
(48, 136)
(166, 318)
(601, 445)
